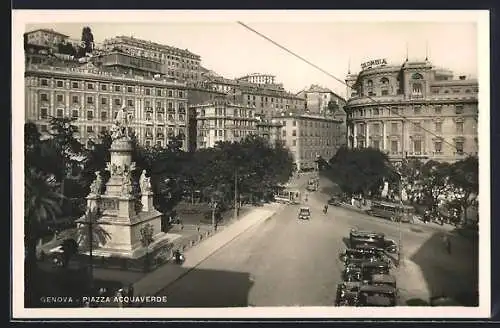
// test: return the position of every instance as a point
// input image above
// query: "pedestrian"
(447, 244)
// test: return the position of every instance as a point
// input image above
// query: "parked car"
(347, 294)
(304, 213)
(335, 201)
(370, 295)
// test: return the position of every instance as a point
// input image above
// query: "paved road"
(287, 262)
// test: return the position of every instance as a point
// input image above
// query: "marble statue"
(95, 187)
(126, 184)
(145, 182)
(121, 124)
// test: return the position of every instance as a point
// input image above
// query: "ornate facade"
(310, 136)
(93, 97)
(413, 110)
(220, 120)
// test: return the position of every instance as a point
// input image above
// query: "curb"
(210, 253)
(189, 269)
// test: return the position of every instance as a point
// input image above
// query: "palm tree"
(41, 208)
(90, 234)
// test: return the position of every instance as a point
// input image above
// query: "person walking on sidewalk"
(447, 243)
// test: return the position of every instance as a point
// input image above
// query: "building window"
(117, 102)
(90, 129)
(43, 113)
(75, 99)
(417, 88)
(460, 127)
(90, 86)
(90, 115)
(294, 133)
(417, 146)
(284, 133)
(148, 143)
(44, 97)
(75, 113)
(104, 87)
(417, 76)
(371, 93)
(294, 123)
(148, 92)
(376, 144)
(170, 93)
(459, 145)
(130, 102)
(417, 110)
(103, 129)
(159, 116)
(117, 88)
(294, 142)
(438, 146)
(394, 146)
(90, 100)
(394, 128)
(384, 80)
(60, 112)
(181, 94)
(130, 89)
(459, 109)
(104, 101)
(59, 84)
(385, 92)
(376, 129)
(181, 117)
(376, 112)
(438, 109)
(60, 98)
(417, 127)
(158, 92)
(74, 85)
(104, 116)
(159, 143)
(438, 127)
(369, 83)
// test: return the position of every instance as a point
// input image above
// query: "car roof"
(383, 278)
(380, 289)
(374, 264)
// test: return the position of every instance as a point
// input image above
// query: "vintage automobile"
(335, 201)
(351, 254)
(371, 239)
(383, 280)
(383, 295)
(368, 269)
(347, 294)
(304, 213)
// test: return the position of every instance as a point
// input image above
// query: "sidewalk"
(157, 280)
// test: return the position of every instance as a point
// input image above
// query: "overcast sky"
(232, 51)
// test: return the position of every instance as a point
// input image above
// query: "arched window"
(417, 76)
(417, 88)
(384, 81)
(369, 83)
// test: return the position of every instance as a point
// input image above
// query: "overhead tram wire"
(339, 80)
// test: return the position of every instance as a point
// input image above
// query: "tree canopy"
(360, 170)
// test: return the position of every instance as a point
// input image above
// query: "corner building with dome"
(414, 110)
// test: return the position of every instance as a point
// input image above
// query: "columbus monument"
(124, 213)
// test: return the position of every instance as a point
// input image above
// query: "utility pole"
(235, 194)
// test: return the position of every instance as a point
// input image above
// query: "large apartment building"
(220, 120)
(175, 63)
(311, 136)
(92, 95)
(318, 98)
(413, 110)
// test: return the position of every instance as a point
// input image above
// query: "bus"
(393, 211)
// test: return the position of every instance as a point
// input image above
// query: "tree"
(90, 234)
(464, 176)
(435, 181)
(332, 107)
(360, 170)
(41, 209)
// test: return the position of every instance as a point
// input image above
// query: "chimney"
(462, 77)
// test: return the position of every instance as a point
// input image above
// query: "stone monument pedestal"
(123, 215)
